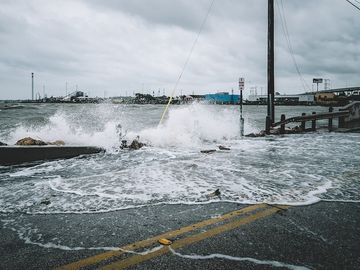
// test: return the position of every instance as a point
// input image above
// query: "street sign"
(242, 84)
(317, 80)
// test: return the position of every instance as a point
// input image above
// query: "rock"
(223, 148)
(208, 151)
(124, 144)
(135, 145)
(1, 143)
(58, 142)
(30, 141)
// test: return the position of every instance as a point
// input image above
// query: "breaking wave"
(295, 170)
(106, 126)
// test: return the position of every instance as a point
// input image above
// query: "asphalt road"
(321, 236)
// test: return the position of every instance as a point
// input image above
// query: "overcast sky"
(119, 47)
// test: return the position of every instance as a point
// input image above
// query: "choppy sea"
(293, 169)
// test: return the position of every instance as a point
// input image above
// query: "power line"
(288, 42)
(353, 4)
(188, 59)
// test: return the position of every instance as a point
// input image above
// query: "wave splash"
(193, 126)
(186, 126)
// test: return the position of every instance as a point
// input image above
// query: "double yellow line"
(260, 211)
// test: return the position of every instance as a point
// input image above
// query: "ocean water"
(293, 169)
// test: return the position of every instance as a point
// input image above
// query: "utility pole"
(270, 67)
(32, 86)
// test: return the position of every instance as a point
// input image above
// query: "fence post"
(330, 126)
(267, 125)
(313, 123)
(282, 126)
(303, 123)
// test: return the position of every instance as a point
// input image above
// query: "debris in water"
(215, 193)
(224, 148)
(208, 151)
(46, 201)
(30, 141)
(165, 242)
(253, 135)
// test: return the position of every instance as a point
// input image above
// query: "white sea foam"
(192, 125)
(186, 126)
(239, 259)
(295, 170)
(59, 128)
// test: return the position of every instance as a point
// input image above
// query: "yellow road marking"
(136, 259)
(147, 242)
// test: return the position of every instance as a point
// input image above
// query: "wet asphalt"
(325, 235)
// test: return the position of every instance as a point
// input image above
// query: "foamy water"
(296, 170)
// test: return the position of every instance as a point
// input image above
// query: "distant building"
(303, 99)
(222, 98)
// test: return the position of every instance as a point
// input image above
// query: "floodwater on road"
(293, 169)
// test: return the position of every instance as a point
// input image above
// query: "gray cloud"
(182, 13)
(119, 46)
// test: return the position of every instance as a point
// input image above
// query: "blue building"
(222, 98)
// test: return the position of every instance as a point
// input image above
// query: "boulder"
(30, 141)
(124, 144)
(135, 145)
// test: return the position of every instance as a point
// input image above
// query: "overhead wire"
(353, 4)
(187, 60)
(289, 45)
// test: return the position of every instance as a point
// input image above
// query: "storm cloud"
(122, 47)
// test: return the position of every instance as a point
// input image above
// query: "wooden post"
(282, 127)
(341, 122)
(313, 123)
(267, 125)
(330, 126)
(303, 123)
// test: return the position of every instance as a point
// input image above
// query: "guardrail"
(349, 117)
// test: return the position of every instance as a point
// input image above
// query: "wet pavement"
(319, 236)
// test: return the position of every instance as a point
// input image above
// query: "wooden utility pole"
(270, 66)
